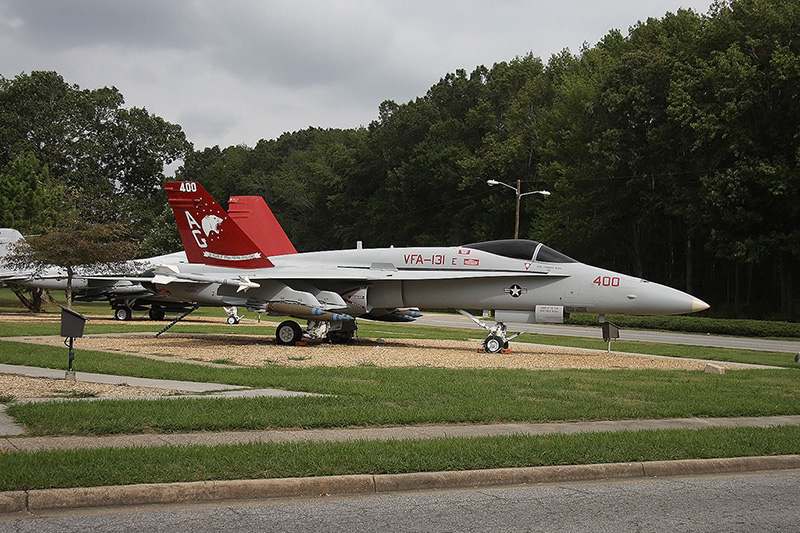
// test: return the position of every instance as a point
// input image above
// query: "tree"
(91, 145)
(74, 246)
(736, 101)
(30, 200)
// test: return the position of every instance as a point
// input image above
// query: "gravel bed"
(251, 350)
(18, 387)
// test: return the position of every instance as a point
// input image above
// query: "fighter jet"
(522, 280)
(124, 293)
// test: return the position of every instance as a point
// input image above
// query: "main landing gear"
(497, 341)
(289, 332)
(125, 312)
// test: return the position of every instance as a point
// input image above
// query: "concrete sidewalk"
(30, 444)
(26, 502)
(189, 387)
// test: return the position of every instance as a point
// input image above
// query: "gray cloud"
(237, 71)
(51, 25)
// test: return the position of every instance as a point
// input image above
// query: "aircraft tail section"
(209, 235)
(254, 216)
(8, 236)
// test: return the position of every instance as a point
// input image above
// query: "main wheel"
(493, 344)
(156, 313)
(232, 320)
(340, 337)
(288, 333)
(123, 313)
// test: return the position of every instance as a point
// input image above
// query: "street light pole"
(516, 216)
(518, 191)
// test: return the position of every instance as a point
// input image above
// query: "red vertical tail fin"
(208, 234)
(254, 216)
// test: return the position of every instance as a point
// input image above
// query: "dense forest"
(671, 153)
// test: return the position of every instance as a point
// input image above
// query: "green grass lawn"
(97, 467)
(376, 396)
(371, 396)
(387, 397)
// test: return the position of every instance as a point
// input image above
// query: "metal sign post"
(72, 324)
(610, 332)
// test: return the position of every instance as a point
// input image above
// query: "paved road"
(718, 341)
(731, 503)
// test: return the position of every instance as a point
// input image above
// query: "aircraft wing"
(354, 274)
(112, 285)
(10, 276)
(13, 276)
(298, 290)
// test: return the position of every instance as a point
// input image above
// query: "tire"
(340, 337)
(123, 313)
(493, 344)
(232, 320)
(288, 333)
(156, 313)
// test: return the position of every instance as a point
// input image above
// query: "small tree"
(30, 201)
(75, 246)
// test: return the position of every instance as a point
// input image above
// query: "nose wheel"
(233, 318)
(497, 341)
(495, 344)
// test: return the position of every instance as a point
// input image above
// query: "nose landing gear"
(497, 341)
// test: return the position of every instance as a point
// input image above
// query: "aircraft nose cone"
(699, 305)
(649, 298)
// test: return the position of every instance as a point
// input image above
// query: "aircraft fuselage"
(445, 277)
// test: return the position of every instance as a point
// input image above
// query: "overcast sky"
(236, 71)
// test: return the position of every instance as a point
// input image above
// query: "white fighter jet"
(522, 280)
(125, 294)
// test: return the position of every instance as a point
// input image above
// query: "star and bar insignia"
(516, 291)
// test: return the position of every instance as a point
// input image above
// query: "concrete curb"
(207, 491)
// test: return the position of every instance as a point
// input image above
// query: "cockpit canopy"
(522, 249)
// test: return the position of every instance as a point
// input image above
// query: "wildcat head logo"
(208, 225)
